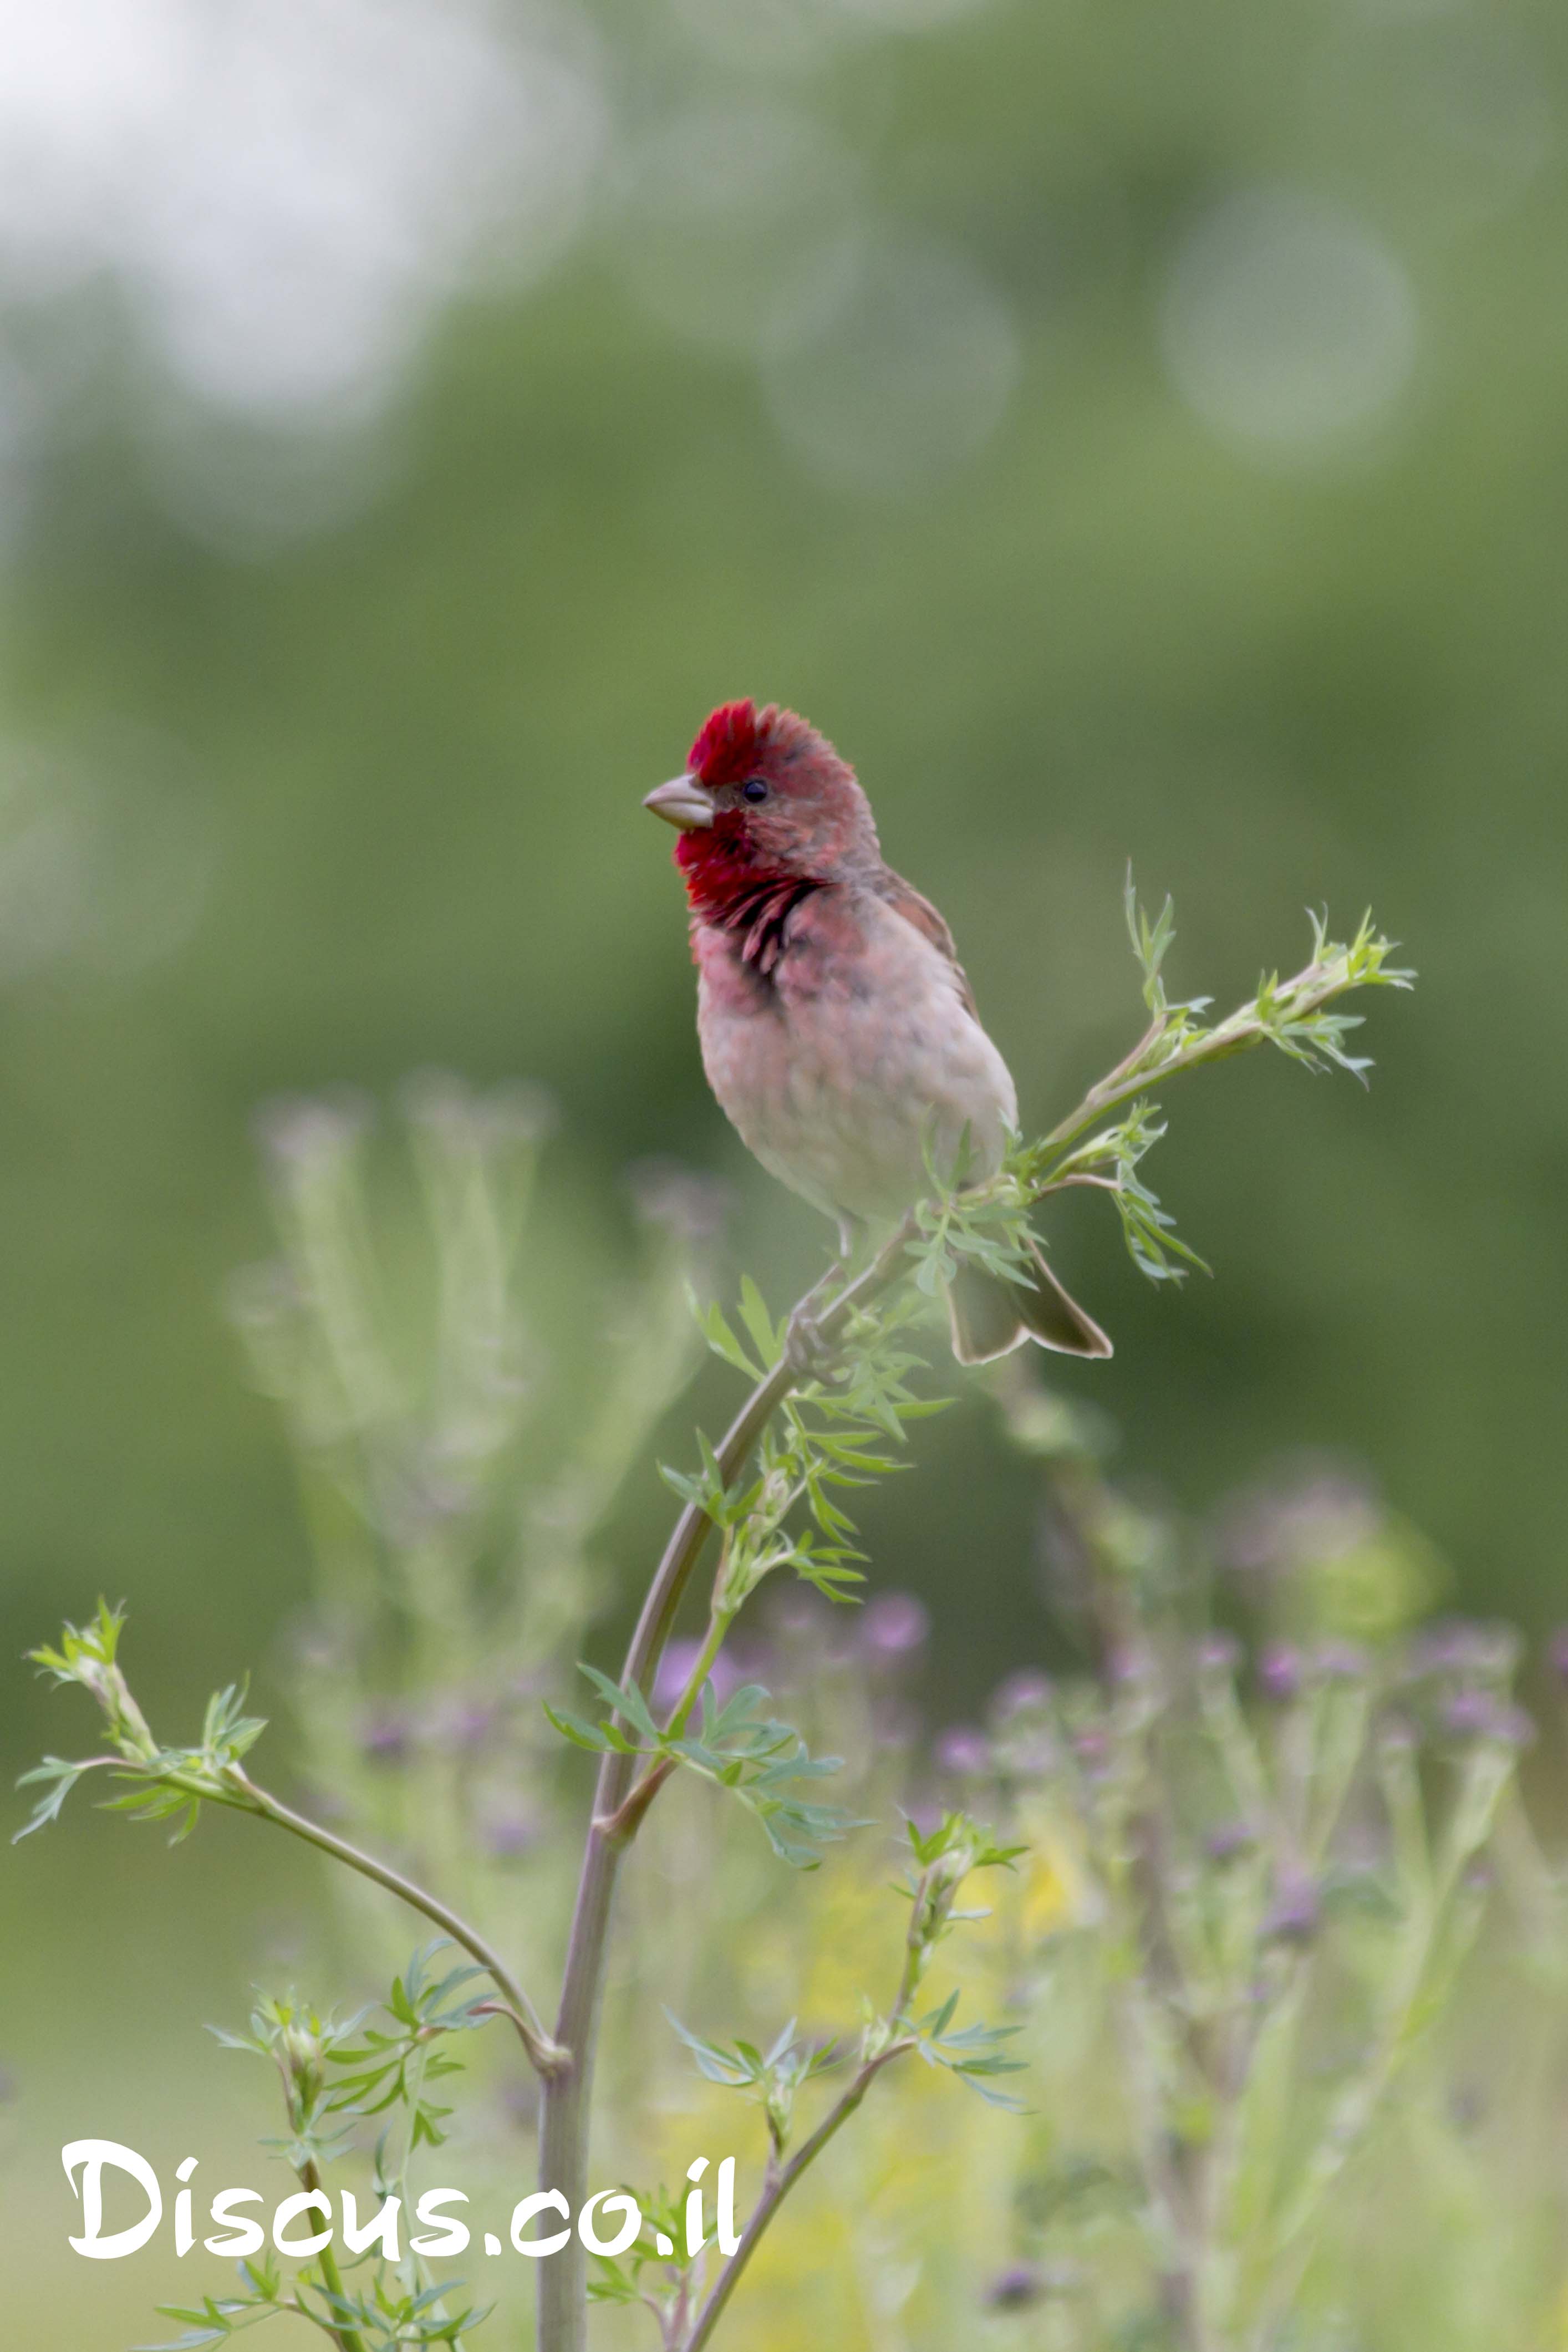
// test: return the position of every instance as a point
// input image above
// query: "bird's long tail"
(991, 1316)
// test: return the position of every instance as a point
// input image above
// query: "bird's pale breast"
(854, 1054)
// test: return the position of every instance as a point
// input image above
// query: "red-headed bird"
(837, 1028)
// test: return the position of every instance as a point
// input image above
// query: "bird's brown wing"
(922, 917)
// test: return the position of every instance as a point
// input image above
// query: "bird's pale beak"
(682, 802)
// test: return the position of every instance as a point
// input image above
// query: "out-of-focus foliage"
(1129, 433)
(1248, 1935)
(1129, 436)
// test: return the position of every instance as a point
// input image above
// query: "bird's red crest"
(729, 743)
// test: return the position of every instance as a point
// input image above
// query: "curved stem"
(563, 2134)
(541, 2051)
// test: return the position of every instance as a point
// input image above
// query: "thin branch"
(621, 1826)
(1240, 1030)
(781, 2179)
(777, 2187)
(544, 2053)
(563, 2139)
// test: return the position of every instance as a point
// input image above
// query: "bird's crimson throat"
(729, 891)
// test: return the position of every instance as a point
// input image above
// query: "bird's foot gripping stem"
(806, 1352)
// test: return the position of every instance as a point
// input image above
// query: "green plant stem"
(347, 2340)
(778, 2186)
(542, 2052)
(781, 2178)
(564, 2136)
(719, 1625)
(1237, 1033)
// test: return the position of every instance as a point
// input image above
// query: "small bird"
(837, 1028)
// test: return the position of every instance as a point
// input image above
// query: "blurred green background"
(1132, 433)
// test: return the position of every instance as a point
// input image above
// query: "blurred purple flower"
(384, 1736)
(892, 1624)
(1129, 1663)
(1230, 1840)
(508, 1836)
(1496, 1718)
(1028, 1691)
(1515, 1727)
(1015, 2290)
(963, 1750)
(1464, 1645)
(1293, 1917)
(728, 1670)
(466, 1723)
(1337, 1661)
(1216, 1653)
(1314, 1507)
(1280, 1671)
(1557, 1652)
(1469, 1714)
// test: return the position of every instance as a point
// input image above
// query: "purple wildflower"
(1343, 1662)
(675, 1669)
(892, 1624)
(1280, 1671)
(1028, 1692)
(1293, 1919)
(1016, 2289)
(1470, 1714)
(385, 1737)
(1130, 1665)
(965, 1751)
(508, 1836)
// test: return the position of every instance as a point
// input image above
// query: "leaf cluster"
(831, 1434)
(987, 1225)
(348, 2068)
(171, 1783)
(973, 2052)
(218, 2317)
(659, 2248)
(772, 2078)
(940, 1859)
(756, 1757)
(384, 2319)
(301, 2044)
(391, 2068)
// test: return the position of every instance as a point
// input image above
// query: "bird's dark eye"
(753, 789)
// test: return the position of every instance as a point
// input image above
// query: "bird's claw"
(806, 1352)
